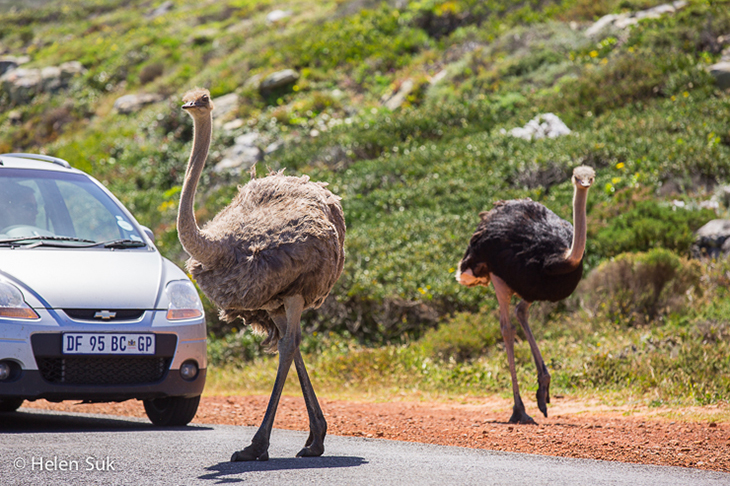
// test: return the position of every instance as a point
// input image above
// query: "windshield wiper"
(40, 240)
(123, 243)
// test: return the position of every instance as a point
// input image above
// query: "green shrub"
(234, 348)
(636, 221)
(464, 337)
(637, 288)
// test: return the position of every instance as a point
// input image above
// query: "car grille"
(83, 370)
(119, 314)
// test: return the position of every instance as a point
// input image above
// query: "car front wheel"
(10, 404)
(171, 411)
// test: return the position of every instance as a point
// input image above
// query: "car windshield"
(50, 208)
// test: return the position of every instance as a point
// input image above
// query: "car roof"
(34, 161)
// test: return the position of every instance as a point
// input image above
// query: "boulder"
(277, 15)
(8, 63)
(242, 155)
(721, 72)
(224, 106)
(546, 125)
(712, 240)
(278, 79)
(22, 84)
(133, 102)
(624, 20)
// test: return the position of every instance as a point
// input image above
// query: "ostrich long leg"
(504, 294)
(288, 344)
(317, 423)
(543, 376)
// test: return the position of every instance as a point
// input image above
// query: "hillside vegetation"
(406, 108)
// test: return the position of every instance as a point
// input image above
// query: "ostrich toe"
(311, 451)
(251, 453)
(314, 446)
(519, 416)
(543, 393)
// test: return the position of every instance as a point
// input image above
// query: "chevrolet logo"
(105, 315)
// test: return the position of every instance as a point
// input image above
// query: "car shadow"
(222, 470)
(27, 420)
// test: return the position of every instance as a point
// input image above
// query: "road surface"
(41, 448)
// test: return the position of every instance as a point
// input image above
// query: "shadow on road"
(221, 470)
(39, 422)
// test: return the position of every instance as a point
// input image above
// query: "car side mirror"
(149, 233)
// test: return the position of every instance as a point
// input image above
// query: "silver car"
(89, 309)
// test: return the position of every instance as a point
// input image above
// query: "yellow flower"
(620, 165)
(593, 53)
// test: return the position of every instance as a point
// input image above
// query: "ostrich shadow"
(222, 470)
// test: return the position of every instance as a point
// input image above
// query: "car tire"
(171, 411)
(10, 404)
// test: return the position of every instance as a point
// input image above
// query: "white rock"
(224, 106)
(132, 102)
(624, 20)
(398, 98)
(546, 125)
(713, 239)
(233, 125)
(721, 72)
(276, 15)
(278, 79)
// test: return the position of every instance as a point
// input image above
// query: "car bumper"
(41, 370)
(32, 386)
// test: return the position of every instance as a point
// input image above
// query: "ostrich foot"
(314, 446)
(311, 451)
(251, 453)
(520, 417)
(543, 393)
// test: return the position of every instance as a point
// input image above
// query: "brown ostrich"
(277, 249)
(524, 248)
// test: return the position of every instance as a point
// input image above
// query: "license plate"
(108, 343)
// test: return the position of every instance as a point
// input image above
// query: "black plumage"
(523, 248)
(525, 244)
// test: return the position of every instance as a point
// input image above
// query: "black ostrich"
(524, 248)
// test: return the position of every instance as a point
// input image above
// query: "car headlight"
(184, 301)
(12, 304)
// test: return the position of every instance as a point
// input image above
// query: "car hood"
(90, 278)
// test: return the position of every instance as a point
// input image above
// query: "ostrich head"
(197, 101)
(583, 177)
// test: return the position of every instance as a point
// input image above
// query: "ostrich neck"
(196, 243)
(578, 246)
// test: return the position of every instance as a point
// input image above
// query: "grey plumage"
(286, 236)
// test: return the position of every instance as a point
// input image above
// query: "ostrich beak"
(466, 278)
(584, 183)
(188, 105)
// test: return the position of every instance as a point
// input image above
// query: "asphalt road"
(42, 448)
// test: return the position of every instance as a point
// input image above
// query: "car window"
(91, 219)
(50, 203)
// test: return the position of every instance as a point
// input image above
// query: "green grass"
(679, 359)
(644, 113)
